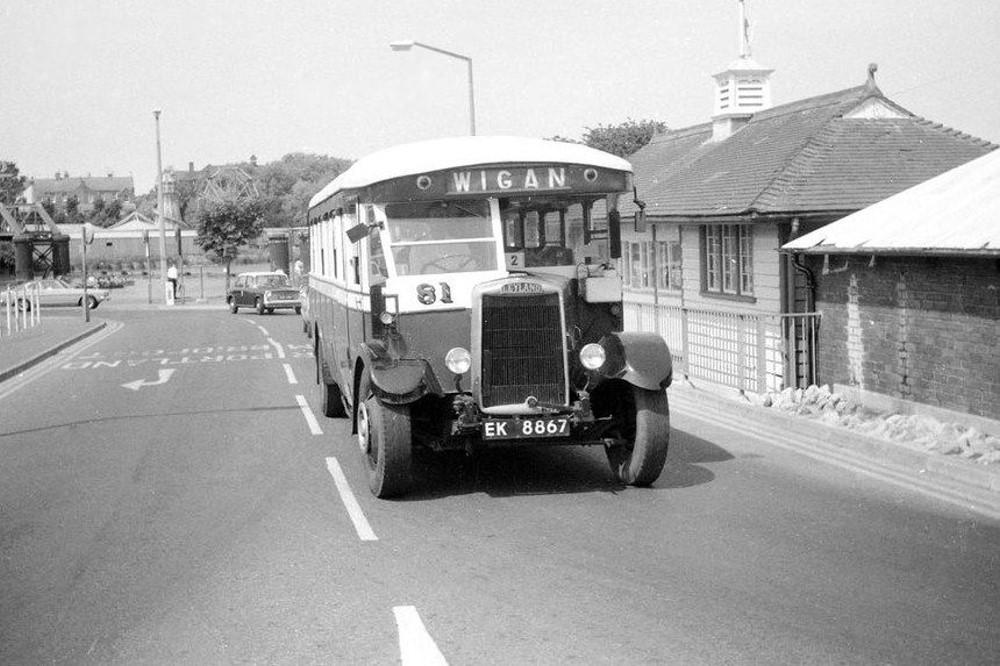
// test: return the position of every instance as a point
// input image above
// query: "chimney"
(190, 167)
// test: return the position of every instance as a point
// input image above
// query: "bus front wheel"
(639, 451)
(385, 440)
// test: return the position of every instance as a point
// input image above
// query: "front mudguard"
(641, 359)
(397, 381)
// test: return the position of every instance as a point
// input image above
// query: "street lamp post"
(159, 207)
(406, 45)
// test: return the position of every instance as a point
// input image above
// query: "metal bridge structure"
(40, 248)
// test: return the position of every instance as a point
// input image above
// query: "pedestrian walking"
(172, 278)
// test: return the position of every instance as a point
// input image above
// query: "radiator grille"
(522, 349)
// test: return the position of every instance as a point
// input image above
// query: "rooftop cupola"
(742, 89)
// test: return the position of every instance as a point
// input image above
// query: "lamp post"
(159, 207)
(406, 45)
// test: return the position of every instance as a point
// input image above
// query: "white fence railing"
(21, 310)
(748, 351)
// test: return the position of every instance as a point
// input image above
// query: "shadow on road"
(555, 470)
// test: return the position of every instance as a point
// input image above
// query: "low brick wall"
(925, 329)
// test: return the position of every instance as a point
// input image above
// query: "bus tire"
(259, 305)
(385, 439)
(640, 452)
(333, 401)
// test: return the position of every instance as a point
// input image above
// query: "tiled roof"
(799, 157)
(71, 184)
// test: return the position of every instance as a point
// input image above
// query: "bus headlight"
(458, 360)
(593, 356)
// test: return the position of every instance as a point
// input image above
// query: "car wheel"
(259, 304)
(642, 436)
(298, 309)
(385, 440)
(232, 305)
(269, 310)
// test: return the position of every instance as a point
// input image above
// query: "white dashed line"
(309, 416)
(364, 530)
(415, 645)
(278, 348)
(263, 330)
(290, 374)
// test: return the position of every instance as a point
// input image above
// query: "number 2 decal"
(427, 294)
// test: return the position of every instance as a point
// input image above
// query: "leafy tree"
(287, 184)
(622, 139)
(11, 182)
(113, 211)
(73, 215)
(105, 214)
(227, 225)
(187, 190)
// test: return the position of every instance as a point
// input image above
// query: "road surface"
(170, 493)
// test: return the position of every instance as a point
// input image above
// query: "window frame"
(727, 262)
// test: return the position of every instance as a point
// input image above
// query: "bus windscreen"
(441, 237)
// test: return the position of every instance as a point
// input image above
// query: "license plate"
(526, 428)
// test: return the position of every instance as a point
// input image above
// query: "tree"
(287, 185)
(73, 210)
(622, 139)
(229, 224)
(11, 182)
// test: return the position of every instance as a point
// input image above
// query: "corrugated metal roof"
(955, 212)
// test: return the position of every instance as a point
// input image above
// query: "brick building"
(909, 292)
(86, 189)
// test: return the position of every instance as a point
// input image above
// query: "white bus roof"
(436, 154)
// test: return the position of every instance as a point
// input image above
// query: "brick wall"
(919, 328)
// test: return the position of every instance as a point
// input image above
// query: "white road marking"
(364, 530)
(416, 647)
(164, 377)
(279, 348)
(263, 330)
(290, 374)
(310, 417)
(20, 381)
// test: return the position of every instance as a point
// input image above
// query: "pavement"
(950, 478)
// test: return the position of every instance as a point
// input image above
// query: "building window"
(646, 264)
(727, 259)
(668, 265)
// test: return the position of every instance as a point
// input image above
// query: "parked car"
(265, 292)
(53, 292)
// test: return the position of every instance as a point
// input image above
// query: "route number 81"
(427, 293)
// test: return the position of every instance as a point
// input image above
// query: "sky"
(80, 79)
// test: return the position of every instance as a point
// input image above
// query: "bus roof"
(437, 154)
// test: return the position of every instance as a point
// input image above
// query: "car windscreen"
(271, 281)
